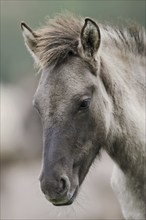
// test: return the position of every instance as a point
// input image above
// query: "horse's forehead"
(68, 78)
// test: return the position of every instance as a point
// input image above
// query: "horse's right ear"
(89, 41)
(30, 39)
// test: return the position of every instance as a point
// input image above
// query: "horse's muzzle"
(58, 191)
(70, 200)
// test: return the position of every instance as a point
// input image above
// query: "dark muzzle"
(57, 190)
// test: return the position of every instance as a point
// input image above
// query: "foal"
(91, 97)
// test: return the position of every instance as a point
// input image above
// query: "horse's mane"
(59, 37)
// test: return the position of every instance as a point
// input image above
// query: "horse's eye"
(85, 104)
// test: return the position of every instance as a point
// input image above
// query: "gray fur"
(114, 81)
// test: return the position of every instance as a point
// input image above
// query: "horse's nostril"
(63, 185)
(57, 188)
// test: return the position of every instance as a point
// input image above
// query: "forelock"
(58, 39)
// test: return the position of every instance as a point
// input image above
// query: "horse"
(91, 97)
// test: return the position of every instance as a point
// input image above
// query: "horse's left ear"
(30, 39)
(89, 39)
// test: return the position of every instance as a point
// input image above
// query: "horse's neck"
(128, 126)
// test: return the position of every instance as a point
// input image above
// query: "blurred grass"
(15, 61)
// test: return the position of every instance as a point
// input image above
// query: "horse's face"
(70, 102)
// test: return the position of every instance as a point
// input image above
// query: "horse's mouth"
(69, 202)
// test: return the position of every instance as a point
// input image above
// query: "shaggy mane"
(60, 36)
(58, 39)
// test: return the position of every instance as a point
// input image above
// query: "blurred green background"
(21, 138)
(15, 61)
